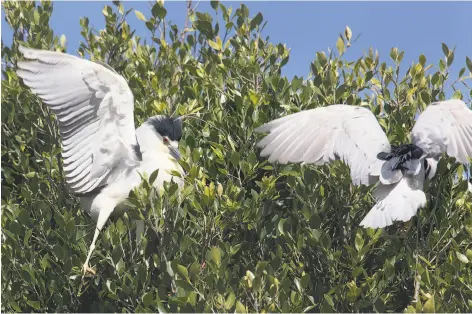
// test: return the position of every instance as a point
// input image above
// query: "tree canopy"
(247, 235)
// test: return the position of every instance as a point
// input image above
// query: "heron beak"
(174, 150)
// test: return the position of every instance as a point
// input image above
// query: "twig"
(417, 288)
(189, 12)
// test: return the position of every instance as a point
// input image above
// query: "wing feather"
(395, 202)
(445, 127)
(324, 134)
(94, 107)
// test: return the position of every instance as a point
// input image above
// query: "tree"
(248, 235)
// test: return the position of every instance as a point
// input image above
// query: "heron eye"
(166, 140)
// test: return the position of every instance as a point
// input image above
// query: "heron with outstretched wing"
(353, 134)
(103, 153)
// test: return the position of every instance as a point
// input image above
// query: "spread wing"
(94, 107)
(445, 127)
(324, 134)
(395, 202)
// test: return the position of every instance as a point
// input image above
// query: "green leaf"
(240, 308)
(27, 236)
(280, 226)
(340, 45)
(121, 9)
(153, 176)
(184, 285)
(429, 306)
(106, 11)
(214, 45)
(450, 58)
(230, 301)
(468, 253)
(394, 54)
(457, 95)
(194, 270)
(34, 304)
(214, 4)
(182, 271)
(305, 280)
(298, 284)
(139, 15)
(235, 159)
(442, 65)
(15, 306)
(445, 49)
(462, 258)
(63, 40)
(296, 83)
(256, 21)
(422, 60)
(215, 254)
(284, 61)
(148, 299)
(359, 242)
(250, 278)
(329, 300)
(321, 56)
(235, 249)
(400, 56)
(469, 63)
(158, 11)
(36, 17)
(254, 96)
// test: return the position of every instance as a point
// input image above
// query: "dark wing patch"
(167, 126)
(384, 156)
(137, 152)
(403, 153)
(427, 168)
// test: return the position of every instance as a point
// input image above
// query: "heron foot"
(86, 269)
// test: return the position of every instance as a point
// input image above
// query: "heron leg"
(103, 216)
(86, 267)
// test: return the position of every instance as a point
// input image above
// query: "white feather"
(324, 134)
(445, 127)
(395, 202)
(94, 106)
(389, 176)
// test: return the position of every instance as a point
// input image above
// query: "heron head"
(169, 129)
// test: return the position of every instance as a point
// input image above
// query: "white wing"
(445, 127)
(395, 202)
(321, 135)
(94, 107)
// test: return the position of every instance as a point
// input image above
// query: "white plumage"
(353, 134)
(103, 153)
(445, 127)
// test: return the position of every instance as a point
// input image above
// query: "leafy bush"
(247, 235)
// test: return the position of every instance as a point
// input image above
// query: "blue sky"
(307, 27)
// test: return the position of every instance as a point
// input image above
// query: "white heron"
(353, 134)
(103, 153)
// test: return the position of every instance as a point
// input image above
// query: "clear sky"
(307, 27)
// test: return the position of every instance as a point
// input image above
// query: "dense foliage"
(245, 235)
